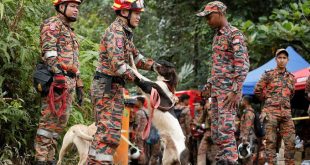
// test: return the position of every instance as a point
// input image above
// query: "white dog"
(173, 139)
(81, 136)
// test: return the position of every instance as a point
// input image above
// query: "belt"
(113, 79)
(108, 81)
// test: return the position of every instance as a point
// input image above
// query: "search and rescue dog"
(161, 98)
(81, 136)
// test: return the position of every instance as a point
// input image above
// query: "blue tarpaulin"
(296, 62)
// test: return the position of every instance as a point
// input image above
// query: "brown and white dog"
(81, 136)
(172, 137)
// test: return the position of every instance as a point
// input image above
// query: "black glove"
(59, 79)
(60, 83)
(79, 95)
(146, 86)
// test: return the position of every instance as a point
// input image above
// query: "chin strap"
(128, 19)
(64, 13)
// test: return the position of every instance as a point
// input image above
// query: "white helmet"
(244, 150)
(134, 153)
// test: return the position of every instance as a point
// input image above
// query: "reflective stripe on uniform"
(49, 54)
(99, 156)
(104, 157)
(138, 58)
(48, 134)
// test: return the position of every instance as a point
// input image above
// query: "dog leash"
(62, 98)
(128, 142)
(154, 101)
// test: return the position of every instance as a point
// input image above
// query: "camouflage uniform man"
(276, 88)
(141, 118)
(205, 141)
(229, 69)
(247, 126)
(307, 91)
(60, 52)
(182, 112)
(114, 68)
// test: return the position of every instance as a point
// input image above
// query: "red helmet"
(58, 2)
(136, 5)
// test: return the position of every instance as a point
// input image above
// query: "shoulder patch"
(119, 42)
(51, 23)
(53, 26)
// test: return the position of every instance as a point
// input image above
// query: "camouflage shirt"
(276, 88)
(247, 122)
(58, 36)
(116, 47)
(230, 61)
(140, 123)
(184, 118)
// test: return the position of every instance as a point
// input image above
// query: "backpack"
(42, 79)
(153, 136)
(259, 127)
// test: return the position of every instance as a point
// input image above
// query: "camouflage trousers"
(279, 119)
(51, 126)
(154, 153)
(142, 145)
(223, 130)
(203, 148)
(108, 109)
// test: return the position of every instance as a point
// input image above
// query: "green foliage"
(284, 27)
(168, 30)
(19, 52)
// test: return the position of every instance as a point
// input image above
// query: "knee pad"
(47, 133)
